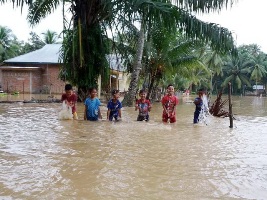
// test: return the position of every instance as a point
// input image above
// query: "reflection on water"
(44, 158)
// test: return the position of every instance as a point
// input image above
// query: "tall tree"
(237, 72)
(258, 68)
(9, 46)
(190, 25)
(214, 62)
(34, 43)
(170, 54)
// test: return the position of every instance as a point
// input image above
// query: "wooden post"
(230, 105)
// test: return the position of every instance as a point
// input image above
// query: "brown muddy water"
(42, 157)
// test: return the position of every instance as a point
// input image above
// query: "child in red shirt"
(144, 106)
(70, 99)
(169, 102)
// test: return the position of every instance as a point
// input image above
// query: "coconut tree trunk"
(154, 93)
(130, 95)
(150, 88)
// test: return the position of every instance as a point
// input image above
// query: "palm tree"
(86, 41)
(192, 27)
(256, 60)
(213, 61)
(237, 71)
(170, 55)
(9, 46)
(50, 37)
(257, 68)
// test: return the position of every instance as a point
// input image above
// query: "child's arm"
(174, 107)
(196, 101)
(136, 107)
(85, 110)
(62, 98)
(108, 113)
(119, 113)
(149, 107)
(164, 108)
(173, 111)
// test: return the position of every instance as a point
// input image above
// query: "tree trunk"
(82, 94)
(151, 85)
(130, 95)
(154, 94)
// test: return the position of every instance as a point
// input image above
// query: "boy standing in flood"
(144, 106)
(114, 106)
(198, 102)
(91, 106)
(70, 98)
(169, 103)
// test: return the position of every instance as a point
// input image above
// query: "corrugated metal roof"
(48, 54)
(19, 68)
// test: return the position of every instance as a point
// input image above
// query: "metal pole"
(230, 106)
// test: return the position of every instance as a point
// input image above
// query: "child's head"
(92, 92)
(201, 92)
(170, 89)
(115, 94)
(68, 89)
(142, 94)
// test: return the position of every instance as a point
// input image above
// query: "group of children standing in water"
(92, 104)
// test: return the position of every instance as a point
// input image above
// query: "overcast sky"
(16, 21)
(246, 19)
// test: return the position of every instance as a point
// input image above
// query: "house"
(34, 72)
(38, 72)
(259, 89)
(118, 78)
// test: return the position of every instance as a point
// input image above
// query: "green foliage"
(34, 43)
(9, 46)
(50, 37)
(84, 72)
(237, 69)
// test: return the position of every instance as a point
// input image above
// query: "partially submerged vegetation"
(217, 109)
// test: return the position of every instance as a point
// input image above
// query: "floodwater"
(42, 157)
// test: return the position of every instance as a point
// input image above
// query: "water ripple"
(42, 157)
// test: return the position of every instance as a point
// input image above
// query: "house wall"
(21, 80)
(119, 80)
(42, 80)
(124, 81)
(51, 79)
(45, 79)
(1, 80)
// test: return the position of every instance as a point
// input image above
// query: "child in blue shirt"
(114, 106)
(91, 106)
